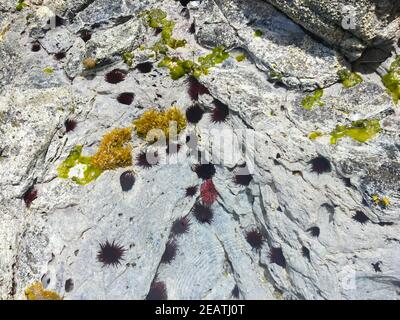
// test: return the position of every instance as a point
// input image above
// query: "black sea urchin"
(170, 252)
(60, 55)
(194, 114)
(127, 180)
(158, 291)
(314, 231)
(86, 35)
(70, 125)
(35, 47)
(360, 217)
(144, 67)
(320, 165)
(220, 112)
(180, 226)
(196, 89)
(126, 98)
(306, 253)
(235, 292)
(30, 195)
(191, 191)
(147, 160)
(205, 171)
(255, 239)
(276, 256)
(203, 213)
(110, 254)
(115, 76)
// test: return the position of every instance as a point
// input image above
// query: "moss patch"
(315, 99)
(153, 120)
(75, 158)
(361, 130)
(37, 292)
(391, 80)
(349, 79)
(240, 58)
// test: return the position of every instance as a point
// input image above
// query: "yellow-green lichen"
(391, 80)
(37, 292)
(20, 5)
(258, 33)
(75, 158)
(315, 134)
(384, 202)
(48, 70)
(128, 58)
(159, 120)
(240, 58)
(315, 99)
(114, 150)
(349, 79)
(361, 130)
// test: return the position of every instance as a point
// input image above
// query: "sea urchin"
(147, 160)
(205, 171)
(170, 252)
(196, 89)
(203, 213)
(180, 226)
(220, 112)
(208, 192)
(191, 191)
(115, 76)
(110, 253)
(194, 113)
(158, 291)
(127, 180)
(126, 98)
(255, 239)
(30, 195)
(276, 256)
(320, 165)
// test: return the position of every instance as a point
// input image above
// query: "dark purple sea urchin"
(30, 195)
(220, 112)
(194, 114)
(126, 98)
(170, 252)
(195, 88)
(144, 67)
(147, 160)
(127, 180)
(86, 35)
(115, 76)
(243, 179)
(205, 171)
(35, 47)
(70, 125)
(314, 231)
(158, 291)
(276, 256)
(110, 254)
(191, 191)
(203, 213)
(320, 165)
(180, 226)
(255, 239)
(60, 55)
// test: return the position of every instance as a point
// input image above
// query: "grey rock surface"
(56, 239)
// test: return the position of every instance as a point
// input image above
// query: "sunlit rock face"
(284, 184)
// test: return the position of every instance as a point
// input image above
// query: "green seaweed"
(309, 101)
(241, 57)
(48, 70)
(391, 80)
(75, 157)
(20, 5)
(360, 130)
(349, 79)
(128, 58)
(258, 33)
(179, 68)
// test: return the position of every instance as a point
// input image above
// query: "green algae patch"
(383, 202)
(20, 5)
(361, 130)
(258, 33)
(311, 100)
(157, 19)
(240, 58)
(128, 58)
(179, 68)
(315, 134)
(48, 70)
(75, 158)
(391, 80)
(349, 79)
